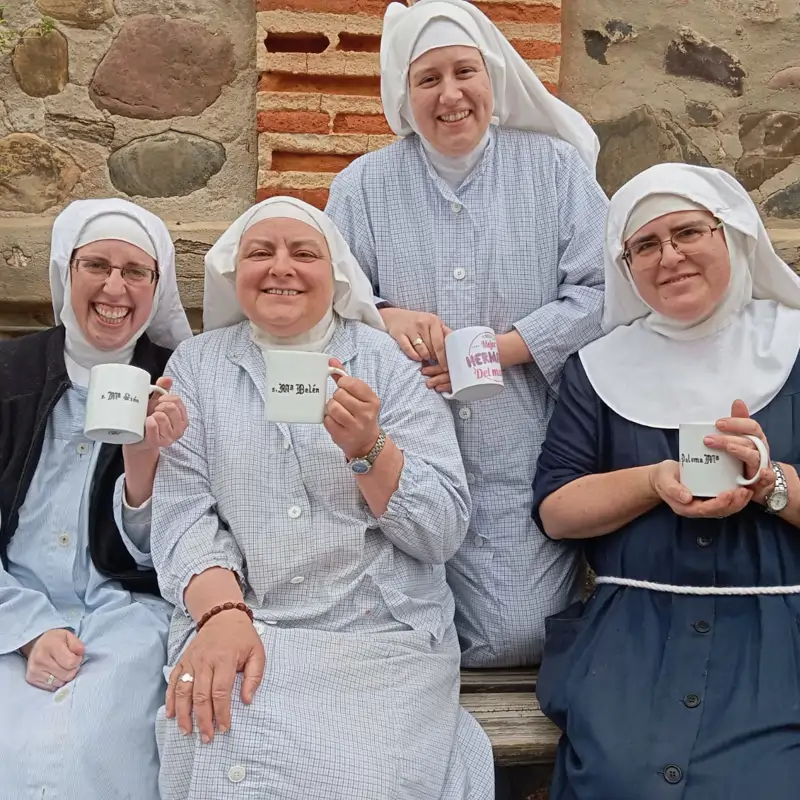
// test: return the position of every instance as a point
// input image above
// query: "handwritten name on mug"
(706, 458)
(296, 388)
(119, 396)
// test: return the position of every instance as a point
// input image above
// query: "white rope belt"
(698, 590)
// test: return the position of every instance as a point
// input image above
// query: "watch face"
(777, 501)
(360, 466)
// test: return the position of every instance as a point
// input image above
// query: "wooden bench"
(504, 703)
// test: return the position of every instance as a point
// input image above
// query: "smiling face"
(284, 276)
(109, 310)
(451, 98)
(676, 285)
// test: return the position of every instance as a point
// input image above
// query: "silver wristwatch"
(361, 466)
(779, 497)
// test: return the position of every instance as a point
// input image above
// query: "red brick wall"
(319, 83)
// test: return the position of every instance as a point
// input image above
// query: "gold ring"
(418, 341)
(51, 679)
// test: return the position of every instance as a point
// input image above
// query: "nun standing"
(82, 626)
(486, 212)
(309, 559)
(679, 678)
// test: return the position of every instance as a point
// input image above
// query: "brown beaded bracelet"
(224, 607)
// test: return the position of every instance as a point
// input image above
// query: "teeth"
(112, 314)
(455, 117)
(288, 292)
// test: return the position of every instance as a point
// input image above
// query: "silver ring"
(187, 678)
(418, 341)
(51, 679)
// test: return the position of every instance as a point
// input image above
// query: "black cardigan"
(33, 376)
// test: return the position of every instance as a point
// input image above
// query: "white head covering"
(520, 99)
(352, 293)
(85, 221)
(661, 372)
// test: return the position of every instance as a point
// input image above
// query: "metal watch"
(778, 499)
(361, 466)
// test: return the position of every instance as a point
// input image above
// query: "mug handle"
(337, 371)
(762, 451)
(157, 390)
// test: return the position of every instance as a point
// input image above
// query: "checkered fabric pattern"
(519, 245)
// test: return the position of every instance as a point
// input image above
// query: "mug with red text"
(474, 364)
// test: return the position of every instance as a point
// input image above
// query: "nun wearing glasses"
(679, 676)
(313, 652)
(486, 212)
(82, 626)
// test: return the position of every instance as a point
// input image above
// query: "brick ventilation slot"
(283, 161)
(374, 8)
(367, 85)
(296, 42)
(359, 42)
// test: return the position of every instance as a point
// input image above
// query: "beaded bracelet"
(224, 607)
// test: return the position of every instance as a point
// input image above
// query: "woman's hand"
(665, 480)
(351, 416)
(407, 327)
(732, 438)
(438, 375)
(228, 643)
(57, 654)
(166, 420)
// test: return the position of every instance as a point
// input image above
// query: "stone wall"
(319, 104)
(710, 82)
(152, 100)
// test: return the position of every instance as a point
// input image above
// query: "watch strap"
(375, 452)
(781, 486)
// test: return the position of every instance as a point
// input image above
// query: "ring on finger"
(418, 341)
(51, 679)
(186, 678)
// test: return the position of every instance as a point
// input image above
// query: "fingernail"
(205, 738)
(222, 729)
(685, 497)
(184, 732)
(722, 424)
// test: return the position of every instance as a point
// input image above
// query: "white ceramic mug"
(116, 407)
(706, 471)
(473, 361)
(297, 386)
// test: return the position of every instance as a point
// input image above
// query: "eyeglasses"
(100, 270)
(687, 241)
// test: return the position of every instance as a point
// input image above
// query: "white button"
(270, 622)
(82, 448)
(287, 444)
(260, 627)
(61, 695)
(74, 614)
(297, 579)
(456, 207)
(459, 273)
(464, 413)
(236, 774)
(295, 512)
(478, 541)
(63, 539)
(470, 478)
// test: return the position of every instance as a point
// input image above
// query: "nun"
(82, 625)
(313, 651)
(679, 676)
(485, 212)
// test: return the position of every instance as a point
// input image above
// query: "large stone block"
(640, 139)
(83, 13)
(785, 203)
(167, 165)
(159, 68)
(34, 175)
(41, 62)
(770, 141)
(694, 56)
